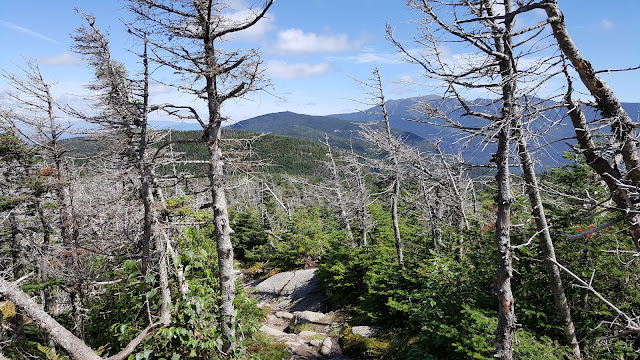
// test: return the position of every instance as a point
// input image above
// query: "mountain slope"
(555, 130)
(313, 128)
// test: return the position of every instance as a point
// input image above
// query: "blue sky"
(313, 49)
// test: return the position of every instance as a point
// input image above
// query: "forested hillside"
(275, 154)
(137, 243)
(343, 134)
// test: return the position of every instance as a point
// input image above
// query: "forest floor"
(297, 315)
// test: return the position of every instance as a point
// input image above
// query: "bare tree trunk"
(608, 173)
(163, 274)
(395, 193)
(606, 100)
(58, 333)
(362, 195)
(610, 106)
(45, 293)
(18, 319)
(63, 337)
(223, 233)
(546, 244)
(456, 191)
(506, 330)
(227, 75)
(182, 282)
(162, 248)
(338, 190)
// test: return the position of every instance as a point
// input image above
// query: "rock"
(294, 344)
(326, 347)
(316, 342)
(284, 315)
(298, 290)
(309, 317)
(264, 305)
(365, 331)
(272, 332)
(307, 334)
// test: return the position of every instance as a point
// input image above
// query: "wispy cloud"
(296, 41)
(60, 60)
(256, 32)
(284, 70)
(370, 56)
(26, 31)
(606, 24)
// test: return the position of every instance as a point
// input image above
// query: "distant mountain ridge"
(547, 149)
(342, 134)
(342, 129)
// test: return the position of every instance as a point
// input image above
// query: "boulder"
(284, 315)
(307, 334)
(327, 344)
(272, 332)
(365, 331)
(316, 342)
(298, 290)
(309, 317)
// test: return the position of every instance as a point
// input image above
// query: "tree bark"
(18, 319)
(338, 189)
(609, 106)
(58, 333)
(63, 337)
(546, 244)
(506, 330)
(395, 193)
(224, 247)
(607, 172)
(222, 229)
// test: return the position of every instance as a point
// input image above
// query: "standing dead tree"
(489, 27)
(123, 108)
(186, 37)
(622, 127)
(60, 335)
(338, 189)
(34, 114)
(384, 140)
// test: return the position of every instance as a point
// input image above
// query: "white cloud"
(236, 4)
(378, 58)
(26, 31)
(157, 88)
(297, 41)
(606, 24)
(60, 60)
(406, 79)
(255, 32)
(281, 69)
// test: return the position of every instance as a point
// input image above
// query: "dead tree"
(489, 27)
(186, 37)
(384, 140)
(72, 344)
(338, 189)
(35, 116)
(361, 196)
(625, 141)
(123, 108)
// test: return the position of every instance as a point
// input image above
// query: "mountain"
(555, 128)
(175, 125)
(313, 128)
(281, 154)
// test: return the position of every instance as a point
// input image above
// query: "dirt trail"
(297, 315)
